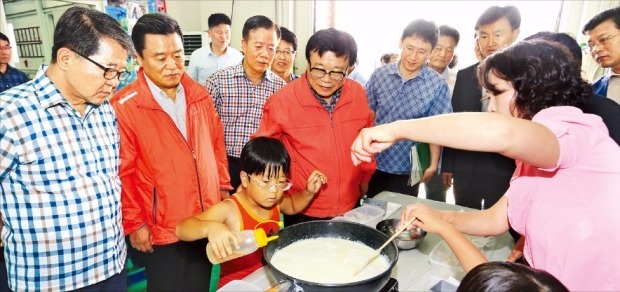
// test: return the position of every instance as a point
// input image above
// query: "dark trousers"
(469, 190)
(115, 283)
(436, 189)
(234, 169)
(179, 266)
(4, 279)
(383, 181)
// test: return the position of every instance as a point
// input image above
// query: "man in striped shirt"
(240, 91)
(59, 162)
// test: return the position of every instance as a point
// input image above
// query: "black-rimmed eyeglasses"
(108, 73)
(286, 53)
(319, 73)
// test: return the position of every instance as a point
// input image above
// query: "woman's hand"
(427, 218)
(371, 141)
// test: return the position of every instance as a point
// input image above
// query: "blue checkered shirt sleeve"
(392, 99)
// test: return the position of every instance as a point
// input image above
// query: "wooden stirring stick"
(378, 251)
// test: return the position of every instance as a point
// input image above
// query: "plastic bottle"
(250, 241)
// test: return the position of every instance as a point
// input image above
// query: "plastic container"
(444, 263)
(366, 214)
(378, 203)
(250, 241)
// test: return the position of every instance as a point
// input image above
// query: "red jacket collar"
(194, 92)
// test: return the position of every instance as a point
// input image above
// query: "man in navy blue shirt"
(9, 76)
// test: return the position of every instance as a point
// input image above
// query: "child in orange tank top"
(265, 165)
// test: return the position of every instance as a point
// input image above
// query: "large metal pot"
(338, 229)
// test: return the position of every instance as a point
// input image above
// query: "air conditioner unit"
(191, 42)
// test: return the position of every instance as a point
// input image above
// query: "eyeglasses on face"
(319, 73)
(604, 41)
(286, 53)
(271, 187)
(7, 48)
(108, 73)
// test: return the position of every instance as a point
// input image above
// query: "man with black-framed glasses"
(59, 163)
(603, 32)
(317, 116)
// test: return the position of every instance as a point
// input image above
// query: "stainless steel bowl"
(408, 239)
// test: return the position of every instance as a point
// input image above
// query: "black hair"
(495, 13)
(352, 48)
(81, 30)
(259, 21)
(265, 154)
(565, 40)
(612, 13)
(331, 40)
(445, 30)
(385, 58)
(216, 19)
(289, 36)
(4, 38)
(427, 30)
(504, 276)
(454, 62)
(153, 23)
(542, 74)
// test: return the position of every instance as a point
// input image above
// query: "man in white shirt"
(443, 54)
(217, 55)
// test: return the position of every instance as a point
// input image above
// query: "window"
(386, 20)
(28, 42)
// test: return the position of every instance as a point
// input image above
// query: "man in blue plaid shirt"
(59, 162)
(408, 89)
(9, 76)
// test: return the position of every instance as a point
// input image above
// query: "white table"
(412, 269)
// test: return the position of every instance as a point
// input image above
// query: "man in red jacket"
(317, 116)
(173, 160)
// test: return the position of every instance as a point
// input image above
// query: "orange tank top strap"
(248, 220)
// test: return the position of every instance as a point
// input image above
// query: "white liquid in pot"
(328, 260)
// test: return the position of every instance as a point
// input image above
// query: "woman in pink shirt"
(564, 196)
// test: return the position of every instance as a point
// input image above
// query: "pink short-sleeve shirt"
(570, 214)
